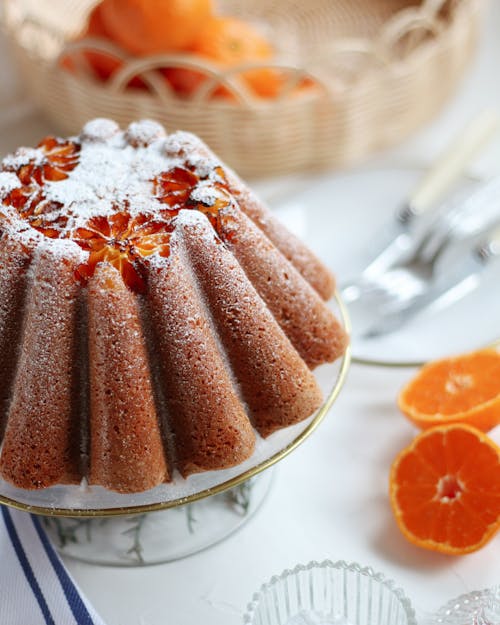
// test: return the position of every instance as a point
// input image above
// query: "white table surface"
(329, 499)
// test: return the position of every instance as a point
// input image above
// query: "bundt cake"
(153, 314)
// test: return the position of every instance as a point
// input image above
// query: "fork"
(463, 217)
(403, 283)
(388, 301)
(397, 238)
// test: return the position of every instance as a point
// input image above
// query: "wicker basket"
(380, 68)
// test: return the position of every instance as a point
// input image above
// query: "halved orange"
(445, 489)
(463, 389)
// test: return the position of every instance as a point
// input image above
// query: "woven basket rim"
(336, 125)
(380, 52)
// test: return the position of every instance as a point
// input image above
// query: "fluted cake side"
(154, 316)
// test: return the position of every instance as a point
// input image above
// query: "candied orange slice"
(122, 241)
(59, 158)
(174, 187)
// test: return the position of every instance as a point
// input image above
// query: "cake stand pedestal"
(162, 536)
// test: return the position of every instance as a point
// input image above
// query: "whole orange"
(182, 80)
(153, 26)
(231, 42)
(103, 65)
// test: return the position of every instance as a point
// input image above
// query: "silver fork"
(383, 304)
(396, 240)
(388, 293)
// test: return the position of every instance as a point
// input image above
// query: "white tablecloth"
(330, 496)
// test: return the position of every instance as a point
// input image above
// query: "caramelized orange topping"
(125, 238)
(59, 158)
(122, 241)
(175, 188)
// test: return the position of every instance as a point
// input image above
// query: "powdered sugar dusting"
(117, 194)
(182, 142)
(206, 193)
(112, 171)
(109, 177)
(63, 248)
(8, 182)
(191, 218)
(99, 129)
(21, 157)
(144, 133)
(194, 220)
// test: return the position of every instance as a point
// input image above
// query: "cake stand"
(176, 519)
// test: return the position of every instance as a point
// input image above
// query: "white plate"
(338, 215)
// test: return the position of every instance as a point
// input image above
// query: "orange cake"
(153, 314)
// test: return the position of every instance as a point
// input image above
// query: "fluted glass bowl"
(480, 607)
(330, 593)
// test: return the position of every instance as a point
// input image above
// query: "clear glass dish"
(481, 607)
(330, 593)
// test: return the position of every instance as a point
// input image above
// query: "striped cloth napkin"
(35, 587)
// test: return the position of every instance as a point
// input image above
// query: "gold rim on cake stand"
(219, 488)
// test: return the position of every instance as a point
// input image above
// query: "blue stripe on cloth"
(25, 565)
(75, 602)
